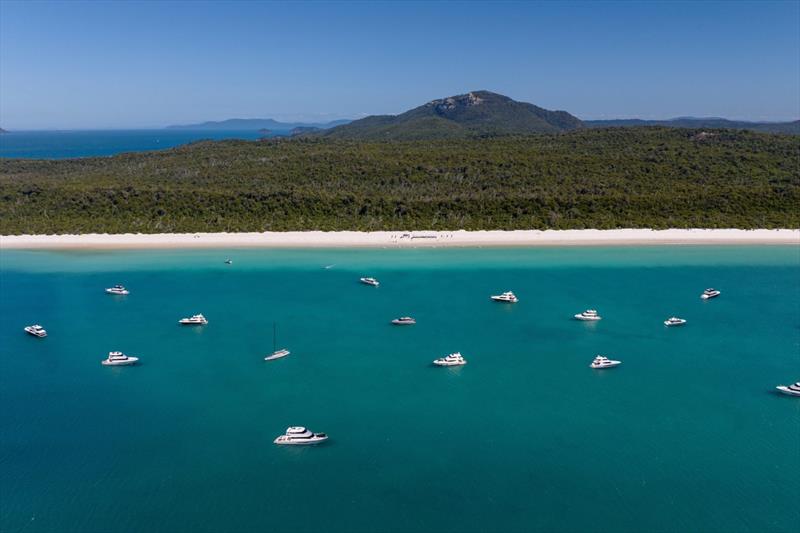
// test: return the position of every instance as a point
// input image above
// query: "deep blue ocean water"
(687, 435)
(86, 143)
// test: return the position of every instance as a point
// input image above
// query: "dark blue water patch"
(72, 144)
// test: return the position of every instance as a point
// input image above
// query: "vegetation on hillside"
(619, 177)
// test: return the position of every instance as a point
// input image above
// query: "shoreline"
(399, 239)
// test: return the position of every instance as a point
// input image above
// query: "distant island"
(3, 131)
(255, 124)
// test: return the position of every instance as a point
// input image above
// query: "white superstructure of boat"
(300, 436)
(710, 293)
(194, 320)
(602, 361)
(590, 315)
(454, 359)
(370, 281)
(117, 289)
(791, 390)
(506, 297)
(674, 321)
(119, 359)
(36, 330)
(404, 321)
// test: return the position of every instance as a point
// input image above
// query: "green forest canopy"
(599, 178)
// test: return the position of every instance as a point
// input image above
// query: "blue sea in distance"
(688, 434)
(85, 143)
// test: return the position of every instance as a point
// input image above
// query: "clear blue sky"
(144, 64)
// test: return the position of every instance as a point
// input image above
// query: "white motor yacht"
(507, 297)
(454, 359)
(602, 361)
(119, 359)
(300, 436)
(590, 315)
(791, 390)
(117, 289)
(195, 320)
(404, 321)
(710, 293)
(370, 281)
(36, 330)
(674, 321)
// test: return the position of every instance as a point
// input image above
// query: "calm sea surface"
(66, 144)
(687, 435)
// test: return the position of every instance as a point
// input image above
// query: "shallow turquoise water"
(687, 435)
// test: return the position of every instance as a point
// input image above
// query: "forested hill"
(599, 178)
(476, 114)
(790, 128)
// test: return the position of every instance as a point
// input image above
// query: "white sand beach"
(398, 239)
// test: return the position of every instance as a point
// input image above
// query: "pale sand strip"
(398, 239)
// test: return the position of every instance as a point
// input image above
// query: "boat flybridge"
(404, 321)
(507, 297)
(590, 315)
(791, 390)
(36, 330)
(370, 281)
(454, 359)
(602, 361)
(117, 289)
(710, 293)
(194, 320)
(276, 354)
(119, 359)
(674, 321)
(300, 436)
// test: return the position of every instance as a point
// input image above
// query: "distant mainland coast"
(400, 239)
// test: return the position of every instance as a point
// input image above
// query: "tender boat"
(370, 281)
(602, 361)
(404, 321)
(507, 297)
(195, 320)
(276, 354)
(228, 261)
(454, 359)
(300, 436)
(674, 321)
(36, 330)
(119, 359)
(791, 390)
(590, 315)
(117, 289)
(710, 293)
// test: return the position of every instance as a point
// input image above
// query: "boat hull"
(37, 335)
(277, 355)
(607, 365)
(285, 441)
(787, 391)
(128, 362)
(587, 319)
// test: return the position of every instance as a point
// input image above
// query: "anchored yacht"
(300, 436)
(404, 321)
(370, 281)
(507, 297)
(119, 359)
(36, 330)
(117, 289)
(195, 320)
(454, 359)
(674, 321)
(602, 361)
(791, 390)
(590, 315)
(710, 293)
(276, 354)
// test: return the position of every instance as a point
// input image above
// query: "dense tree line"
(631, 177)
